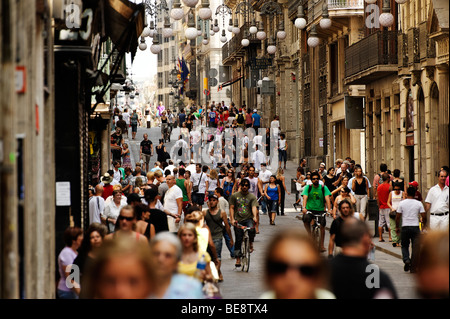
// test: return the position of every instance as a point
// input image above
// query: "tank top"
(396, 199)
(214, 223)
(272, 192)
(227, 188)
(180, 184)
(360, 189)
(164, 120)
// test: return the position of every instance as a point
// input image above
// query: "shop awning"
(231, 82)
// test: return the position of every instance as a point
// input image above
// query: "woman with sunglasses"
(294, 268)
(126, 226)
(228, 184)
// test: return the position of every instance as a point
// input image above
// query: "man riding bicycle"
(314, 198)
(243, 211)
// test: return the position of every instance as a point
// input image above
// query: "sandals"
(381, 241)
(237, 265)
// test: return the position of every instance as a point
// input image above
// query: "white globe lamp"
(177, 12)
(205, 12)
(313, 40)
(190, 3)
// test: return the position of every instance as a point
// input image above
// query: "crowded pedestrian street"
(226, 153)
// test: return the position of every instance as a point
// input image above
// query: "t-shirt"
(348, 277)
(253, 185)
(182, 118)
(438, 198)
(212, 116)
(170, 204)
(316, 200)
(190, 269)
(410, 210)
(96, 207)
(196, 179)
(146, 147)
(257, 119)
(212, 184)
(65, 258)
(248, 118)
(134, 119)
(243, 205)
(158, 219)
(383, 195)
(126, 117)
(335, 229)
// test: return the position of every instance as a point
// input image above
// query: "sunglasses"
(280, 268)
(129, 219)
(314, 179)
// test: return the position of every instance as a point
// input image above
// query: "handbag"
(392, 214)
(195, 188)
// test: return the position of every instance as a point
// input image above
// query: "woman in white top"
(212, 181)
(112, 211)
(395, 197)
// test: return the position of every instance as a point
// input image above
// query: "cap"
(240, 110)
(106, 179)
(255, 110)
(414, 184)
(213, 196)
(322, 164)
(192, 161)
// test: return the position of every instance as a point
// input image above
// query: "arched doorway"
(421, 140)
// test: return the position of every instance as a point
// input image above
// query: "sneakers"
(407, 266)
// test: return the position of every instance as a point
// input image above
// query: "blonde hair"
(192, 228)
(213, 174)
(125, 145)
(194, 217)
(117, 187)
(279, 172)
(151, 175)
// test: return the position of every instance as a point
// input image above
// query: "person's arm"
(328, 202)
(354, 185)
(187, 185)
(284, 185)
(279, 195)
(140, 152)
(212, 247)
(227, 226)
(255, 213)
(305, 202)
(398, 218)
(333, 213)
(353, 199)
(389, 202)
(151, 149)
(265, 192)
(232, 220)
(206, 186)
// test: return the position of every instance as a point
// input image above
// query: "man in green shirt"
(243, 210)
(314, 198)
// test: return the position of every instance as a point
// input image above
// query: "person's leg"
(238, 235)
(415, 251)
(228, 242)
(264, 206)
(307, 222)
(363, 204)
(358, 203)
(218, 244)
(251, 232)
(395, 238)
(323, 223)
(282, 200)
(386, 217)
(405, 248)
(381, 224)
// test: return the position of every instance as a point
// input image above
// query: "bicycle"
(315, 231)
(245, 247)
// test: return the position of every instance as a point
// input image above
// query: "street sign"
(260, 64)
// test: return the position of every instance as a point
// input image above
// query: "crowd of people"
(158, 232)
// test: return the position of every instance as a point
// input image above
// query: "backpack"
(240, 118)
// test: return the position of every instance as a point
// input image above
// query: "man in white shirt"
(258, 158)
(275, 126)
(264, 176)
(173, 202)
(408, 212)
(117, 172)
(96, 205)
(170, 167)
(126, 118)
(191, 167)
(436, 204)
(199, 179)
(225, 206)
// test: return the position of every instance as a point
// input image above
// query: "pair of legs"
(146, 162)
(218, 243)
(410, 234)
(273, 209)
(361, 204)
(133, 131)
(282, 157)
(384, 221)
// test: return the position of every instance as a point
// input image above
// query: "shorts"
(146, 158)
(307, 218)
(282, 155)
(218, 243)
(272, 205)
(134, 128)
(384, 217)
(198, 198)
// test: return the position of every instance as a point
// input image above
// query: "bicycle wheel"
(247, 253)
(244, 249)
(316, 236)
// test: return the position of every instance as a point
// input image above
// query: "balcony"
(340, 8)
(415, 46)
(233, 48)
(372, 58)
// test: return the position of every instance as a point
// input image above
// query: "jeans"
(410, 234)
(272, 205)
(264, 205)
(228, 242)
(66, 294)
(239, 235)
(218, 243)
(361, 204)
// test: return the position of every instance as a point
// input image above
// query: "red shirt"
(107, 191)
(248, 118)
(383, 195)
(226, 115)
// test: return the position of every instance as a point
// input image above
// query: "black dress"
(160, 153)
(282, 198)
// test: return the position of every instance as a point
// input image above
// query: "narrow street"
(243, 285)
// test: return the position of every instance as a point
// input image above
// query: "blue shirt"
(257, 119)
(182, 118)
